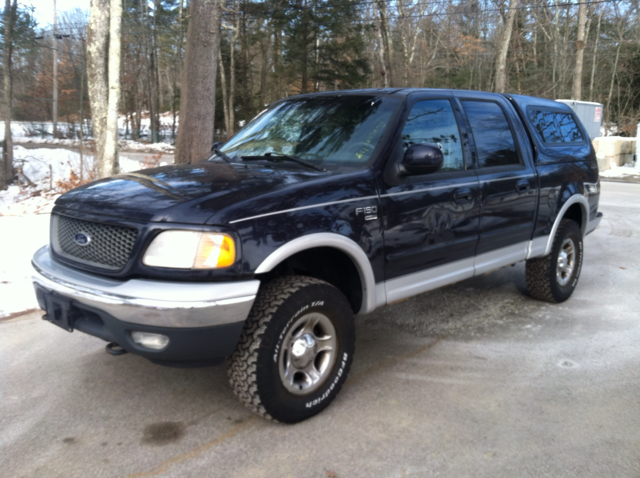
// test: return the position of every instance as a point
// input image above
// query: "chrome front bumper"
(149, 302)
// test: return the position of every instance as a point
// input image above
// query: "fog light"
(149, 340)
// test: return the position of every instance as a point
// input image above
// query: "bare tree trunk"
(6, 173)
(197, 108)
(97, 54)
(83, 69)
(103, 75)
(152, 72)
(231, 125)
(576, 93)
(54, 133)
(414, 40)
(503, 49)
(113, 79)
(155, 78)
(381, 52)
(556, 39)
(386, 42)
(403, 41)
(408, 49)
(565, 45)
(304, 52)
(177, 66)
(613, 78)
(225, 96)
(264, 70)
(535, 42)
(281, 88)
(595, 54)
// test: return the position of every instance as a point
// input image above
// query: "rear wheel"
(295, 351)
(554, 277)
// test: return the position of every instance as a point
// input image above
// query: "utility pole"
(55, 70)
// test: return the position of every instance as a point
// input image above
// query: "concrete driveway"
(472, 380)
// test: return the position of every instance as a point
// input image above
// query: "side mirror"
(216, 145)
(422, 159)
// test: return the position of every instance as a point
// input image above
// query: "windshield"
(327, 131)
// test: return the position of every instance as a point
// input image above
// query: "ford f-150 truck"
(324, 206)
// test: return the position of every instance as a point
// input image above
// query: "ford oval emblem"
(82, 239)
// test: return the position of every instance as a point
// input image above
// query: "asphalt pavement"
(473, 380)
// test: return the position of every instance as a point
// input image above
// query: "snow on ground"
(24, 215)
(18, 129)
(624, 171)
(45, 174)
(166, 120)
(123, 144)
(42, 132)
(128, 145)
(20, 238)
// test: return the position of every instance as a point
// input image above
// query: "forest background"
(277, 48)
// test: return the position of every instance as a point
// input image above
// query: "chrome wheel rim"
(566, 262)
(308, 353)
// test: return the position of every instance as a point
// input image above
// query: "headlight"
(191, 250)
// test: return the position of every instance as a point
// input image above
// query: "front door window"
(433, 122)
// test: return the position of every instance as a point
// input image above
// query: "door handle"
(523, 186)
(462, 196)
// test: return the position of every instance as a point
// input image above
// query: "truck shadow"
(466, 308)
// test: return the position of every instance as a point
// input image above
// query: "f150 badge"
(370, 212)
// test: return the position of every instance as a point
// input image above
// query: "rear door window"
(492, 134)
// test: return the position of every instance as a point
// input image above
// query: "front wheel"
(554, 277)
(295, 350)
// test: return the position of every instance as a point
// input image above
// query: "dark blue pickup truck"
(324, 206)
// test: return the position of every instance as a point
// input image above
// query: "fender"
(329, 239)
(541, 246)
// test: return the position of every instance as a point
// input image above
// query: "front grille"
(109, 247)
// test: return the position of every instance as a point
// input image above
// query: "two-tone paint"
(402, 235)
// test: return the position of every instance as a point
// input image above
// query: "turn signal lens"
(215, 250)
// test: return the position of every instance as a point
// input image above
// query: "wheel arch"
(575, 208)
(323, 243)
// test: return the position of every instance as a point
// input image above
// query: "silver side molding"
(419, 282)
(413, 284)
(490, 261)
(537, 247)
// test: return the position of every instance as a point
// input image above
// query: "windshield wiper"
(283, 157)
(223, 155)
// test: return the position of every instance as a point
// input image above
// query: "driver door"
(430, 221)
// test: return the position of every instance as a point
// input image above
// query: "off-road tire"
(542, 272)
(253, 368)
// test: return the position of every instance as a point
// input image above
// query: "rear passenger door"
(508, 182)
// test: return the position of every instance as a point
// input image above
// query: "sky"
(43, 12)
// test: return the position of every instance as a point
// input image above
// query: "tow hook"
(115, 349)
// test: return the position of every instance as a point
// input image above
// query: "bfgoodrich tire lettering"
(295, 351)
(554, 277)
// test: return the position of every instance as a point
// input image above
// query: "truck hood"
(187, 193)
